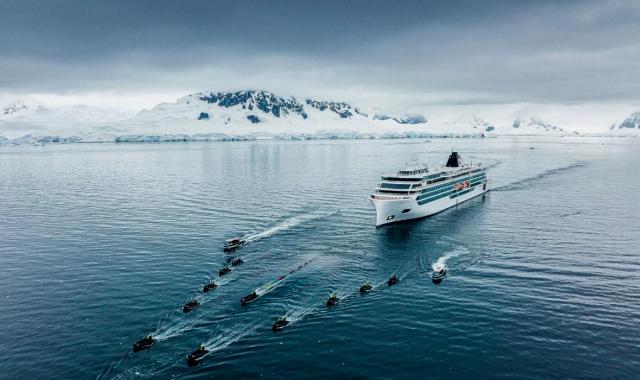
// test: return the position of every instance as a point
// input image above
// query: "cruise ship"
(417, 192)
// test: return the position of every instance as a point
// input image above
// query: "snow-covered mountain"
(256, 107)
(13, 108)
(482, 126)
(250, 114)
(27, 119)
(535, 125)
(262, 114)
(16, 107)
(630, 125)
(409, 119)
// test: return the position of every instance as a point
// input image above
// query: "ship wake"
(527, 182)
(289, 223)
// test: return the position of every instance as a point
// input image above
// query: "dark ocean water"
(101, 244)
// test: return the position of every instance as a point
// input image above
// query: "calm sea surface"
(102, 244)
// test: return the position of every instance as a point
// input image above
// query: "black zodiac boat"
(393, 280)
(197, 355)
(143, 343)
(237, 261)
(438, 275)
(279, 324)
(190, 305)
(366, 287)
(209, 286)
(332, 300)
(224, 271)
(233, 244)
(249, 298)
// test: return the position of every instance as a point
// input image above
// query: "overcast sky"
(137, 53)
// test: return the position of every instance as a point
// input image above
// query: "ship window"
(406, 210)
(402, 186)
(390, 217)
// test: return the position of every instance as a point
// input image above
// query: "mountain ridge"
(279, 106)
(632, 122)
(248, 114)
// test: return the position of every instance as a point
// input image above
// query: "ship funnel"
(454, 160)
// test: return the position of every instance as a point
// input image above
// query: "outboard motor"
(454, 160)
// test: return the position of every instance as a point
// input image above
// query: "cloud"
(375, 52)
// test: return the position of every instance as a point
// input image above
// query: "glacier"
(259, 114)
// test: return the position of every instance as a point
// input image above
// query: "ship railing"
(388, 197)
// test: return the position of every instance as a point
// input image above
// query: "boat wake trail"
(571, 214)
(298, 313)
(289, 223)
(228, 337)
(345, 293)
(379, 284)
(270, 286)
(453, 249)
(493, 162)
(526, 182)
(224, 279)
(172, 331)
(442, 261)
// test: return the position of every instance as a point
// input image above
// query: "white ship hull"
(391, 210)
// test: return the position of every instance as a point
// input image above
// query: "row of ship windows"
(434, 189)
(400, 186)
(431, 177)
(448, 186)
(431, 193)
(459, 193)
(413, 179)
(451, 192)
(433, 198)
(448, 179)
